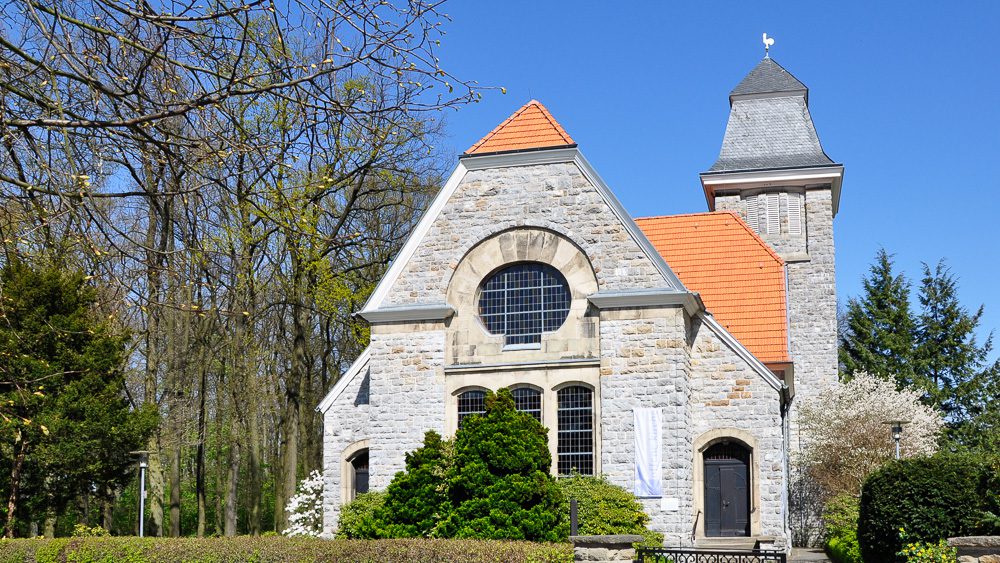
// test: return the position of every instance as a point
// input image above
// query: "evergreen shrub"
(604, 508)
(932, 498)
(357, 518)
(491, 482)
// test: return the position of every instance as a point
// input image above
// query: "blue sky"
(905, 95)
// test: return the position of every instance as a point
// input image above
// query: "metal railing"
(685, 555)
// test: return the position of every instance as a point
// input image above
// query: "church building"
(668, 354)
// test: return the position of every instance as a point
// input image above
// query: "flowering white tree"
(305, 509)
(848, 436)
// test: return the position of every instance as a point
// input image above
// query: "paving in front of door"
(812, 555)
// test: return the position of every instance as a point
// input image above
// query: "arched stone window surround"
(505, 248)
(709, 439)
(347, 469)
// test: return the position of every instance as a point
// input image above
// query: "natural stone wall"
(811, 292)
(729, 398)
(344, 424)
(644, 363)
(552, 196)
(604, 548)
(977, 549)
(812, 302)
(407, 394)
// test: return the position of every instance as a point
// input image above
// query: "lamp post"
(897, 432)
(143, 464)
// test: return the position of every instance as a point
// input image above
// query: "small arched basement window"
(523, 301)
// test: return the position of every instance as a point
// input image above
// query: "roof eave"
(468, 155)
(804, 92)
(832, 174)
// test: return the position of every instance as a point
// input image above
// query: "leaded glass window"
(470, 403)
(576, 430)
(523, 301)
(528, 400)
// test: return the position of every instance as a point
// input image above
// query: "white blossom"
(847, 435)
(305, 508)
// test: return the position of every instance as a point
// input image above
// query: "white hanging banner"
(648, 452)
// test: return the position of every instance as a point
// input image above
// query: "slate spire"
(769, 124)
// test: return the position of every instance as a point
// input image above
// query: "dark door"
(360, 464)
(727, 491)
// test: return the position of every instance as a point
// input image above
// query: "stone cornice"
(409, 313)
(647, 298)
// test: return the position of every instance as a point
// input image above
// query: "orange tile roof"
(531, 127)
(740, 278)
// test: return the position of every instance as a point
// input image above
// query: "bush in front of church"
(604, 508)
(358, 517)
(417, 502)
(491, 482)
(501, 486)
(932, 498)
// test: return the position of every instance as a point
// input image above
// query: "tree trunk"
(290, 434)
(175, 490)
(50, 525)
(255, 475)
(200, 460)
(15, 485)
(232, 476)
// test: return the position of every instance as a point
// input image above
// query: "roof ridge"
(693, 214)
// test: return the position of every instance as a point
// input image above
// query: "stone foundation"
(977, 549)
(604, 548)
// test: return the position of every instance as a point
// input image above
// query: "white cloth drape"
(648, 452)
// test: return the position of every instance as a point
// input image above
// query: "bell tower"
(773, 172)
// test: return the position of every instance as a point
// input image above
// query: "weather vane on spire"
(768, 41)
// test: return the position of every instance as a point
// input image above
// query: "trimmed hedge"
(276, 550)
(932, 498)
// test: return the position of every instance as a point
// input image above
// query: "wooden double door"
(727, 490)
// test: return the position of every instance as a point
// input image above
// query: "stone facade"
(632, 356)
(556, 197)
(345, 429)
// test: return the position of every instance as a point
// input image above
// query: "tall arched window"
(469, 403)
(576, 430)
(523, 301)
(528, 400)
